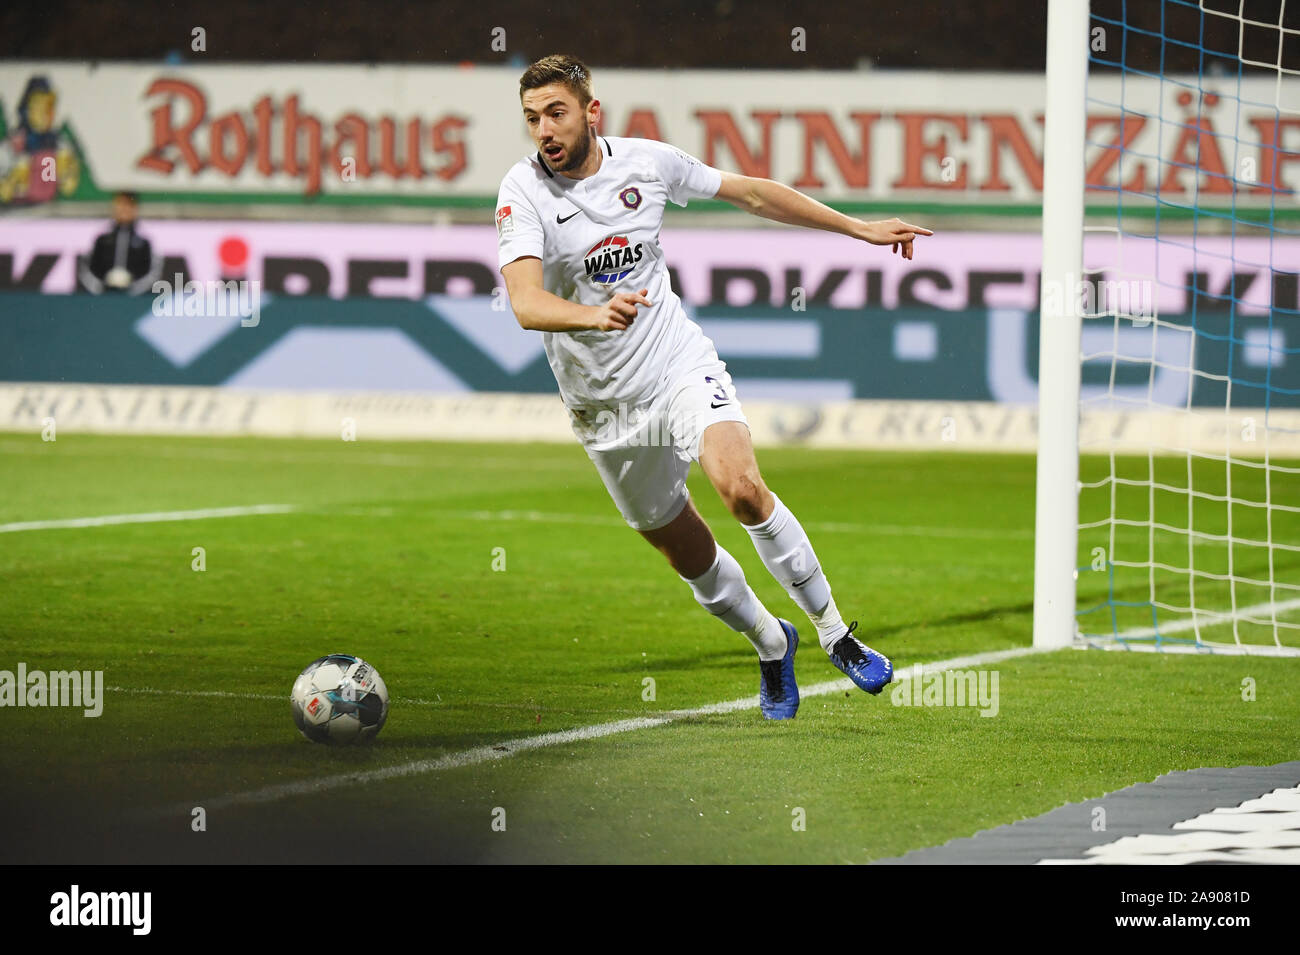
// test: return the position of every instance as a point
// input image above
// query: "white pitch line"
(830, 687)
(224, 694)
(833, 527)
(1218, 620)
(495, 751)
(375, 458)
(1266, 608)
(229, 695)
(149, 517)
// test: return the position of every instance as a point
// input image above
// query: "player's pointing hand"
(620, 311)
(894, 232)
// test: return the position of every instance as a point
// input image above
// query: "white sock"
(830, 625)
(788, 555)
(723, 592)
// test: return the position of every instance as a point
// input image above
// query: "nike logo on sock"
(800, 583)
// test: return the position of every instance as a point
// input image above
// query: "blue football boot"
(871, 671)
(778, 694)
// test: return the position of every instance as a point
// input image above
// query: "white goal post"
(1056, 516)
(1168, 471)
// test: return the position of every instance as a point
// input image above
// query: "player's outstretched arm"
(778, 202)
(538, 309)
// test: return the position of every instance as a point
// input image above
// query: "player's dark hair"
(569, 71)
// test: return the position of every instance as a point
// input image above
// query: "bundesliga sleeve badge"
(505, 221)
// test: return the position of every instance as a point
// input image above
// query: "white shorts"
(644, 454)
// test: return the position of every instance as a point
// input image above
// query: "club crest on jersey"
(611, 259)
(631, 197)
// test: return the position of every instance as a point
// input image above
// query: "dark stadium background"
(732, 34)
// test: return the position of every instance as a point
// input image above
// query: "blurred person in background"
(121, 260)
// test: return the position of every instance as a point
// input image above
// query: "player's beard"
(578, 156)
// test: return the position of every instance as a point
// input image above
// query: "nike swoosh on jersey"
(561, 221)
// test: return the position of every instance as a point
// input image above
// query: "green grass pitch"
(389, 553)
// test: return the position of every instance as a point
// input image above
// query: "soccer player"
(578, 233)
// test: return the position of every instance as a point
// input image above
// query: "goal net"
(1187, 532)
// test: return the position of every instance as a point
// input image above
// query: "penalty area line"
(231, 695)
(831, 527)
(507, 748)
(148, 517)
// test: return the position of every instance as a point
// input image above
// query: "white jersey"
(598, 236)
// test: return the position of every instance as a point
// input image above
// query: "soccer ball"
(339, 699)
